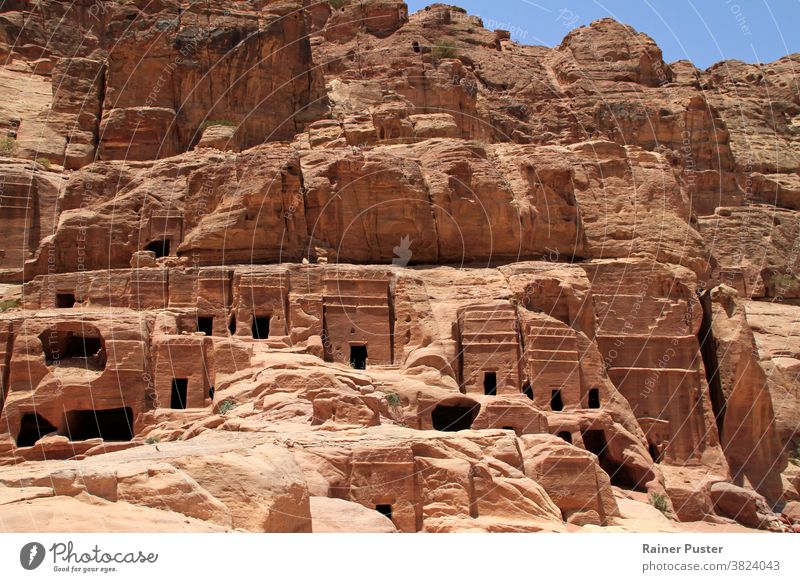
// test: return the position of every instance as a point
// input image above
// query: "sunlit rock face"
(389, 272)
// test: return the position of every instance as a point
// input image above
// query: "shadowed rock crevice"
(280, 266)
(708, 351)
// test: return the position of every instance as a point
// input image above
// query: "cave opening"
(708, 351)
(415, 46)
(566, 436)
(454, 417)
(595, 442)
(358, 357)
(232, 325)
(527, 390)
(180, 388)
(65, 300)
(490, 383)
(32, 428)
(160, 247)
(654, 452)
(114, 424)
(384, 509)
(260, 327)
(556, 403)
(205, 325)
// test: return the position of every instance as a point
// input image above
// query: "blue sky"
(703, 31)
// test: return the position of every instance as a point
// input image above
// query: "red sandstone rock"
(471, 284)
(743, 505)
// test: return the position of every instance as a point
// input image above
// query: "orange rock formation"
(390, 272)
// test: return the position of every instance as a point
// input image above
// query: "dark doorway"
(654, 452)
(708, 351)
(595, 442)
(358, 357)
(566, 435)
(159, 247)
(65, 300)
(232, 325)
(384, 509)
(211, 393)
(82, 347)
(527, 390)
(556, 403)
(260, 327)
(32, 428)
(180, 388)
(415, 46)
(115, 424)
(594, 398)
(205, 325)
(490, 383)
(454, 417)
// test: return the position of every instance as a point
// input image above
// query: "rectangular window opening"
(490, 383)
(556, 403)
(205, 325)
(260, 327)
(178, 396)
(65, 300)
(358, 357)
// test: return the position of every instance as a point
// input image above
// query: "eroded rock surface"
(275, 266)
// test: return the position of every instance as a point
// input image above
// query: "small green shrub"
(7, 146)
(336, 4)
(211, 122)
(445, 49)
(44, 162)
(227, 406)
(393, 399)
(151, 440)
(659, 502)
(8, 304)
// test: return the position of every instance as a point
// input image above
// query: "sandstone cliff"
(390, 266)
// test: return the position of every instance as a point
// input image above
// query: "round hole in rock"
(455, 416)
